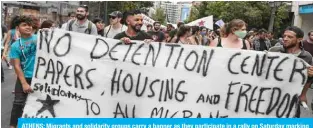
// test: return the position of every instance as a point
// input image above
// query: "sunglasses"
(113, 17)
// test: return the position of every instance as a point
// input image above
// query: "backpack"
(87, 30)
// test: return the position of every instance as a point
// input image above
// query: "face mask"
(241, 34)
(202, 33)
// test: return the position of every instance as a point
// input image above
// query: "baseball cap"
(116, 14)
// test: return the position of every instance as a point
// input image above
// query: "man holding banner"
(134, 78)
(23, 53)
(134, 22)
(292, 38)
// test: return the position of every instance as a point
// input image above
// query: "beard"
(262, 38)
(289, 46)
(80, 17)
(136, 28)
(156, 29)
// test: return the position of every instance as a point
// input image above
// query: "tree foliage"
(194, 14)
(159, 16)
(121, 6)
(128, 5)
(255, 13)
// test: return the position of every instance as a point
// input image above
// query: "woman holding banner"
(233, 34)
(183, 34)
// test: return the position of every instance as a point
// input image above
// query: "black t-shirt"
(3, 30)
(262, 45)
(157, 36)
(140, 36)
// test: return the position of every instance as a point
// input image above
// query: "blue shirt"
(14, 37)
(24, 49)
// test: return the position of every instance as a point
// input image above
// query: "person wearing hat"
(115, 26)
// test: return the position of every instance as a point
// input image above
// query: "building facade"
(303, 15)
(171, 10)
(43, 10)
(184, 10)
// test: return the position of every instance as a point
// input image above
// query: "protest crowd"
(20, 38)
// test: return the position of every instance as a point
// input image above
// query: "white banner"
(205, 21)
(147, 20)
(78, 75)
(220, 23)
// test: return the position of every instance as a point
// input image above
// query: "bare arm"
(164, 40)
(5, 36)
(6, 45)
(248, 45)
(192, 40)
(174, 39)
(214, 43)
(20, 75)
(304, 92)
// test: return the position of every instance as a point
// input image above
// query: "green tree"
(254, 13)
(121, 6)
(159, 16)
(186, 21)
(128, 5)
(281, 15)
(194, 14)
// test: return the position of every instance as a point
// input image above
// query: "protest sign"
(78, 75)
(205, 21)
(147, 20)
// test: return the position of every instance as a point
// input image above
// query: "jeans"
(19, 102)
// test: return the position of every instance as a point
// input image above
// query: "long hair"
(46, 24)
(195, 29)
(232, 26)
(182, 31)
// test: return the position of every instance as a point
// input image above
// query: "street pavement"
(7, 98)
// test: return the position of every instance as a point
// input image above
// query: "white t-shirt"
(64, 26)
(112, 32)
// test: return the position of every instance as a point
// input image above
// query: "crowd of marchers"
(19, 42)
